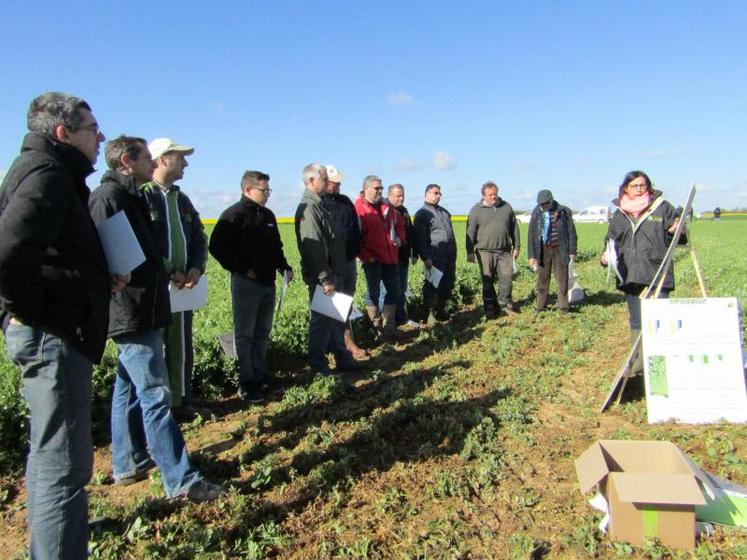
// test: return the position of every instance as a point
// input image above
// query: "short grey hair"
(312, 171)
(52, 109)
(370, 180)
(396, 186)
(488, 185)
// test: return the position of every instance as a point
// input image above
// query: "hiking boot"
(140, 474)
(202, 491)
(251, 394)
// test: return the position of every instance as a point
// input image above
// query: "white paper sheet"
(188, 299)
(611, 255)
(337, 306)
(433, 275)
(283, 289)
(123, 252)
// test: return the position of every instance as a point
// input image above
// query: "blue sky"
(561, 95)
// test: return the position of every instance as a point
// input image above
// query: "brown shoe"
(357, 352)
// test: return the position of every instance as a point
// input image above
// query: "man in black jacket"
(550, 247)
(246, 242)
(407, 253)
(54, 304)
(347, 228)
(142, 424)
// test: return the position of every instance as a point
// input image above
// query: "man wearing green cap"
(181, 237)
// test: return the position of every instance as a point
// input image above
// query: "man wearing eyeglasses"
(181, 237)
(54, 310)
(550, 247)
(246, 242)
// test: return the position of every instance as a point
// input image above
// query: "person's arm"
(30, 223)
(313, 246)
(421, 226)
(471, 235)
(572, 238)
(224, 247)
(515, 235)
(196, 246)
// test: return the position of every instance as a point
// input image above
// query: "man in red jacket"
(382, 233)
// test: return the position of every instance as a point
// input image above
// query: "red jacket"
(378, 223)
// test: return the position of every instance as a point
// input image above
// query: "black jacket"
(641, 244)
(345, 222)
(53, 272)
(246, 237)
(144, 304)
(566, 234)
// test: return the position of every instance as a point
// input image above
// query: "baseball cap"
(544, 196)
(161, 146)
(334, 175)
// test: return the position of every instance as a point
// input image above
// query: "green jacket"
(322, 253)
(492, 228)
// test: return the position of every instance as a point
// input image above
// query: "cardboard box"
(651, 487)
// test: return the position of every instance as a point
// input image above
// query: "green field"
(458, 444)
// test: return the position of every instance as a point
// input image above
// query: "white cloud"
(443, 161)
(407, 165)
(400, 99)
(657, 153)
(525, 196)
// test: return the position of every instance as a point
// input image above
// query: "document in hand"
(283, 289)
(433, 275)
(337, 306)
(188, 299)
(611, 255)
(121, 247)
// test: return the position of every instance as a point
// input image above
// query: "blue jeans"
(376, 274)
(57, 387)
(142, 423)
(400, 316)
(253, 305)
(326, 335)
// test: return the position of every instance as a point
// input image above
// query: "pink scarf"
(635, 206)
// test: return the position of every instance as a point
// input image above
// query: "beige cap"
(334, 175)
(161, 146)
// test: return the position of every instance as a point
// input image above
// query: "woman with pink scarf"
(641, 229)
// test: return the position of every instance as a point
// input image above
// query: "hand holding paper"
(336, 306)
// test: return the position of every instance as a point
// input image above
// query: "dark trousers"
(496, 264)
(326, 335)
(433, 296)
(553, 263)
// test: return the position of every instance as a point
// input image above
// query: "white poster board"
(336, 306)
(692, 355)
(121, 247)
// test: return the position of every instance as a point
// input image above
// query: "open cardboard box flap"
(639, 457)
(642, 488)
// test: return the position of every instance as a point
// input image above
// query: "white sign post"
(692, 353)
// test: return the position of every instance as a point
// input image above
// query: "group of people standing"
(59, 303)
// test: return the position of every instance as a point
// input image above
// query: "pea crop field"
(458, 443)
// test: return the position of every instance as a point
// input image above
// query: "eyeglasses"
(266, 192)
(378, 188)
(642, 187)
(93, 127)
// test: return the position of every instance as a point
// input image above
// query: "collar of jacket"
(126, 182)
(250, 203)
(311, 195)
(77, 163)
(153, 185)
(498, 203)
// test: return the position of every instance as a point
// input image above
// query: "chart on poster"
(693, 367)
